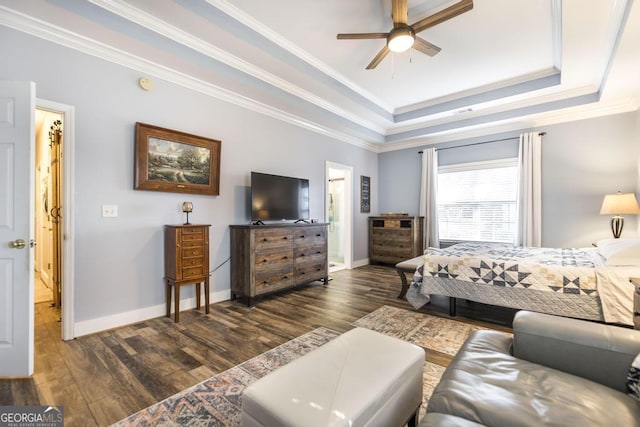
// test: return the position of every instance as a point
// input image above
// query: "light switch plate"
(109, 211)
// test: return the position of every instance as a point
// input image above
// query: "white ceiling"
(504, 65)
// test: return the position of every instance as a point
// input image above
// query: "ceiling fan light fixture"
(401, 39)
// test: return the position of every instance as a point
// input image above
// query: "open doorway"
(53, 213)
(339, 215)
(48, 209)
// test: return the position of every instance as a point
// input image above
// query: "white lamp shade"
(620, 203)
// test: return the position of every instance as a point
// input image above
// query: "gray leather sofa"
(553, 371)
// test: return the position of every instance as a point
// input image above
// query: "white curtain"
(428, 207)
(529, 231)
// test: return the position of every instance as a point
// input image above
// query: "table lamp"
(186, 208)
(616, 205)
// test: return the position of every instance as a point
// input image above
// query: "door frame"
(68, 174)
(348, 208)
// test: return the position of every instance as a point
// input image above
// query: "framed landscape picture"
(168, 160)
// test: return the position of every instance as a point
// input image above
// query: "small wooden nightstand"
(186, 262)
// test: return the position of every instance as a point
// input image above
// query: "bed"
(585, 283)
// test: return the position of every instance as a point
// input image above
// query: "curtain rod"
(483, 142)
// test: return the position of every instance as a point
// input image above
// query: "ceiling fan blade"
(399, 11)
(362, 36)
(379, 57)
(445, 14)
(425, 47)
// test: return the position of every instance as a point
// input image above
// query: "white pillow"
(620, 251)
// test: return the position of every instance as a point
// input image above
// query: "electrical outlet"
(109, 211)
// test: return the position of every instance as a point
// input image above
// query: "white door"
(17, 110)
(339, 215)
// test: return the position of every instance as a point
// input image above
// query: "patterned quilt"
(560, 270)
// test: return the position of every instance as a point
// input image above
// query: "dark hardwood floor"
(101, 378)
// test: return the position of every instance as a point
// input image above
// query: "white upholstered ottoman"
(361, 378)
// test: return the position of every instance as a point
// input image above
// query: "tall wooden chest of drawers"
(394, 238)
(186, 262)
(272, 257)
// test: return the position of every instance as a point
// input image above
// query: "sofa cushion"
(487, 385)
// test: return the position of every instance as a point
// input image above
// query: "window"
(477, 201)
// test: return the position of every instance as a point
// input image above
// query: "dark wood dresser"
(394, 238)
(272, 257)
(186, 262)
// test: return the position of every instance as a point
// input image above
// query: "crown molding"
(477, 111)
(42, 29)
(570, 114)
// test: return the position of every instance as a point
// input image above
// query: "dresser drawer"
(192, 233)
(309, 255)
(309, 272)
(312, 236)
(192, 252)
(273, 281)
(193, 243)
(273, 238)
(275, 259)
(192, 262)
(188, 272)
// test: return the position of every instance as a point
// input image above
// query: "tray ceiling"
(504, 65)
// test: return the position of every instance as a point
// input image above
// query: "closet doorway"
(339, 215)
(48, 208)
(52, 169)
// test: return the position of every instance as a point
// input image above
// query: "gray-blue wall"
(119, 261)
(581, 162)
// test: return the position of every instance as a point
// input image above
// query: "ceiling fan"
(403, 37)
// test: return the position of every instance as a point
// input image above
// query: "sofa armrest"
(598, 352)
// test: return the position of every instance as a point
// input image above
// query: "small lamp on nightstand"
(616, 205)
(186, 208)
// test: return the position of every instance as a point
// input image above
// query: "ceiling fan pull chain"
(393, 62)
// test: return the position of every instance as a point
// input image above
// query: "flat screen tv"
(279, 198)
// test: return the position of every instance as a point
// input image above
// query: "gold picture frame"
(178, 162)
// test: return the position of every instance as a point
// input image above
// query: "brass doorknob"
(18, 244)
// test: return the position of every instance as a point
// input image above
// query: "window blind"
(477, 201)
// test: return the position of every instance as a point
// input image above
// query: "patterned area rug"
(217, 400)
(432, 332)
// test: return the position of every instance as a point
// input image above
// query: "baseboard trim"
(360, 263)
(99, 324)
